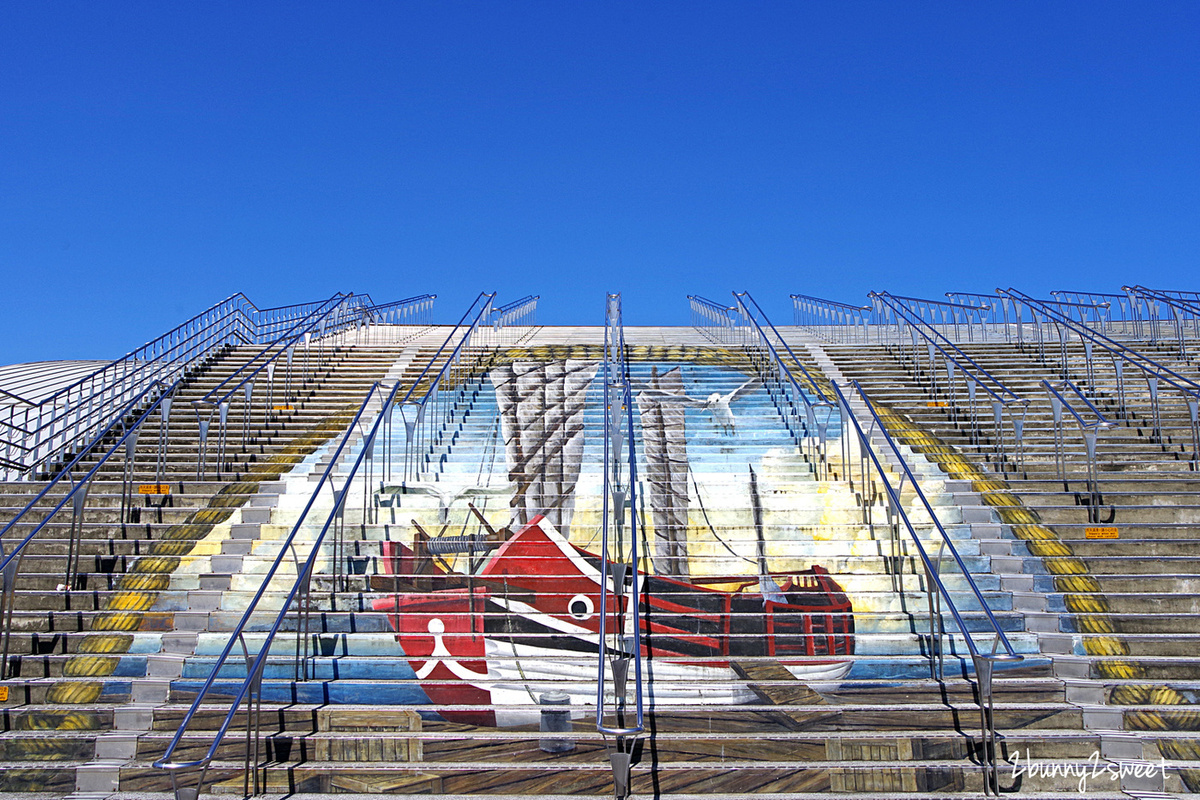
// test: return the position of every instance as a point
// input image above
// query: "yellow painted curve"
(99, 653)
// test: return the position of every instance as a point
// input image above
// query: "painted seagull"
(717, 404)
(447, 495)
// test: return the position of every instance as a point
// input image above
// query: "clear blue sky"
(157, 157)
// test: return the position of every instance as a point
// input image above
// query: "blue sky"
(157, 157)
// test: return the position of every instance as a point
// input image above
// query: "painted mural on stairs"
(488, 574)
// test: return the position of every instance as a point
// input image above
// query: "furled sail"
(541, 413)
(664, 439)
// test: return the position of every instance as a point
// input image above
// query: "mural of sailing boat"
(527, 622)
(519, 615)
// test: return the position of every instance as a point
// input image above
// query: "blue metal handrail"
(217, 400)
(619, 497)
(316, 319)
(41, 432)
(1056, 392)
(1181, 311)
(250, 689)
(1124, 306)
(935, 588)
(899, 311)
(392, 323)
(418, 421)
(946, 314)
(812, 416)
(1121, 356)
(411, 310)
(1001, 397)
(752, 318)
(713, 319)
(256, 665)
(985, 302)
(1090, 430)
(336, 315)
(154, 397)
(1099, 306)
(518, 312)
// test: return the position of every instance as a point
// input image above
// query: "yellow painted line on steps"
(138, 590)
(1082, 594)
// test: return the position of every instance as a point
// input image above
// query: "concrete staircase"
(1117, 616)
(88, 661)
(117, 668)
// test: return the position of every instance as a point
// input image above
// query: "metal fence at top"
(1179, 308)
(717, 322)
(955, 322)
(37, 436)
(517, 314)
(836, 322)
(1119, 314)
(1104, 368)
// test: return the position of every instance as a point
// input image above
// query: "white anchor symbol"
(441, 655)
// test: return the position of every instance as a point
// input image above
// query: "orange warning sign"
(154, 488)
(1100, 533)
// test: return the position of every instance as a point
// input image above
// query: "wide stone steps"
(883, 732)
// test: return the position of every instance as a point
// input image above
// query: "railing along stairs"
(36, 437)
(332, 316)
(328, 540)
(1121, 356)
(806, 409)
(714, 320)
(434, 422)
(124, 430)
(840, 322)
(856, 447)
(126, 425)
(1041, 324)
(518, 313)
(317, 330)
(1183, 310)
(620, 620)
(957, 363)
(1115, 308)
(948, 319)
(856, 444)
(1090, 431)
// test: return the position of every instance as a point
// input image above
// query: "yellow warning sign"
(937, 404)
(3, 694)
(283, 408)
(154, 488)
(1100, 533)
